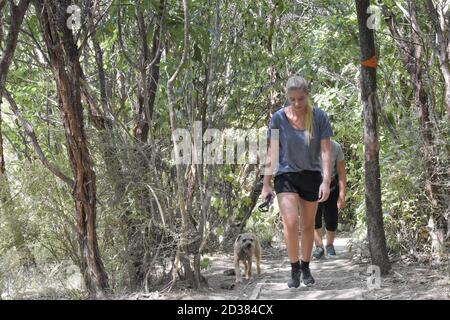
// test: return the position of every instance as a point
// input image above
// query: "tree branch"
(18, 13)
(30, 132)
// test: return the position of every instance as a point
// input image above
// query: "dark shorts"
(305, 183)
(329, 211)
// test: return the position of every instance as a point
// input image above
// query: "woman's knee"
(291, 222)
(308, 227)
(309, 220)
(289, 210)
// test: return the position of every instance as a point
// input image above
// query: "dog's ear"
(238, 238)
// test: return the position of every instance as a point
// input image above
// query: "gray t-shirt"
(336, 156)
(294, 153)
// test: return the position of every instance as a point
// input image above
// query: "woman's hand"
(341, 202)
(266, 192)
(324, 191)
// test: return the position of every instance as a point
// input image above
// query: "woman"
(304, 139)
(329, 209)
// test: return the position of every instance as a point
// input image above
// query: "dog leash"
(264, 207)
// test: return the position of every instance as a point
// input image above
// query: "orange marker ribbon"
(371, 63)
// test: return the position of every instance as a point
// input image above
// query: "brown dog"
(245, 247)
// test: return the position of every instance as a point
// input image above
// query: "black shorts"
(329, 211)
(305, 183)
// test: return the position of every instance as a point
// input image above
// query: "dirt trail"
(342, 277)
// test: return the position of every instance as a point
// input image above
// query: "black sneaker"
(307, 278)
(318, 252)
(330, 250)
(294, 282)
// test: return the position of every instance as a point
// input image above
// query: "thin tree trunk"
(376, 235)
(183, 242)
(441, 46)
(15, 227)
(37, 147)
(153, 65)
(64, 59)
(150, 72)
(210, 169)
(411, 53)
(421, 102)
(99, 61)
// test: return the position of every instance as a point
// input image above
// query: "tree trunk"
(411, 52)
(146, 92)
(6, 203)
(210, 169)
(149, 73)
(64, 60)
(442, 47)
(183, 252)
(376, 235)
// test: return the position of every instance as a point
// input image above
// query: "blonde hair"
(299, 83)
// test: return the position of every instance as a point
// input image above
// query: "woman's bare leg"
(289, 208)
(330, 237)
(318, 235)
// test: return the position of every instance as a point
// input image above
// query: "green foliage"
(136, 182)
